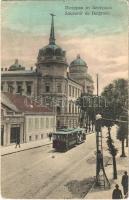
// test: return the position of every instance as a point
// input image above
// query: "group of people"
(117, 193)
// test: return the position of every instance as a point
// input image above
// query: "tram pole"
(97, 84)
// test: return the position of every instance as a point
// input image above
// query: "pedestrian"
(124, 183)
(99, 162)
(50, 136)
(116, 194)
(17, 142)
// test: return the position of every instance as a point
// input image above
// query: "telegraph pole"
(97, 84)
(101, 178)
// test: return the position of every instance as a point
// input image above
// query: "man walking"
(17, 141)
(50, 136)
(124, 182)
(117, 194)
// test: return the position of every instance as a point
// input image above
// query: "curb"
(4, 154)
(90, 190)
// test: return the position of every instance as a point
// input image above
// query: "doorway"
(15, 134)
(2, 135)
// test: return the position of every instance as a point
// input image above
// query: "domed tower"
(51, 59)
(16, 66)
(52, 74)
(78, 72)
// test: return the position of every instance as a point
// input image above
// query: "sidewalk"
(25, 146)
(122, 165)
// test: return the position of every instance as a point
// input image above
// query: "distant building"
(20, 116)
(50, 81)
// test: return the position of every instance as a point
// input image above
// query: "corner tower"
(52, 70)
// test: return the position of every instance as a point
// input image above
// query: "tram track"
(56, 180)
(34, 181)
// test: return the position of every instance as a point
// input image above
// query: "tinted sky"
(100, 40)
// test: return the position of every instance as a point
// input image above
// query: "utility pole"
(101, 178)
(97, 84)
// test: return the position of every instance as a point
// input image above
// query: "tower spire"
(52, 34)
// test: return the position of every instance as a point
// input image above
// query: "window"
(36, 137)
(30, 138)
(42, 122)
(76, 93)
(41, 136)
(59, 87)
(47, 89)
(47, 123)
(69, 107)
(30, 122)
(19, 89)
(70, 90)
(73, 108)
(10, 88)
(29, 90)
(51, 122)
(73, 91)
(36, 123)
(58, 110)
(2, 87)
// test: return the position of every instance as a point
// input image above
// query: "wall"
(37, 126)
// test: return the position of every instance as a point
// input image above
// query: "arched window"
(58, 123)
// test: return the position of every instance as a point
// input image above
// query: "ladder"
(101, 178)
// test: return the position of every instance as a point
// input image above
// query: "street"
(43, 173)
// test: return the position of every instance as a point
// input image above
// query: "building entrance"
(2, 135)
(15, 134)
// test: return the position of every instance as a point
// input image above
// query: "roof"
(6, 101)
(24, 103)
(16, 66)
(20, 72)
(78, 62)
(69, 131)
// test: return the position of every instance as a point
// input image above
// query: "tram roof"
(69, 131)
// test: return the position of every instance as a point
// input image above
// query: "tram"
(64, 139)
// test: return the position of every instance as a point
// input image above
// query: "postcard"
(64, 99)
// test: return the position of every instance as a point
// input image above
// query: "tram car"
(64, 139)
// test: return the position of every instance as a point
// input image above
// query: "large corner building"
(54, 82)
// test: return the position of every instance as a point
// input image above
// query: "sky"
(101, 40)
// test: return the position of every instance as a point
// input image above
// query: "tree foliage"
(111, 147)
(116, 95)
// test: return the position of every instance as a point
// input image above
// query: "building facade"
(24, 118)
(50, 82)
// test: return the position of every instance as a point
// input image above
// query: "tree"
(113, 151)
(122, 133)
(88, 110)
(116, 94)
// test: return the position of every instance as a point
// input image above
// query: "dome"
(78, 62)
(16, 66)
(51, 50)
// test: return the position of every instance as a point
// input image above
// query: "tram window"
(57, 137)
(54, 137)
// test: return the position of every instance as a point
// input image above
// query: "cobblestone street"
(44, 173)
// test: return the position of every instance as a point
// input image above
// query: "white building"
(24, 118)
